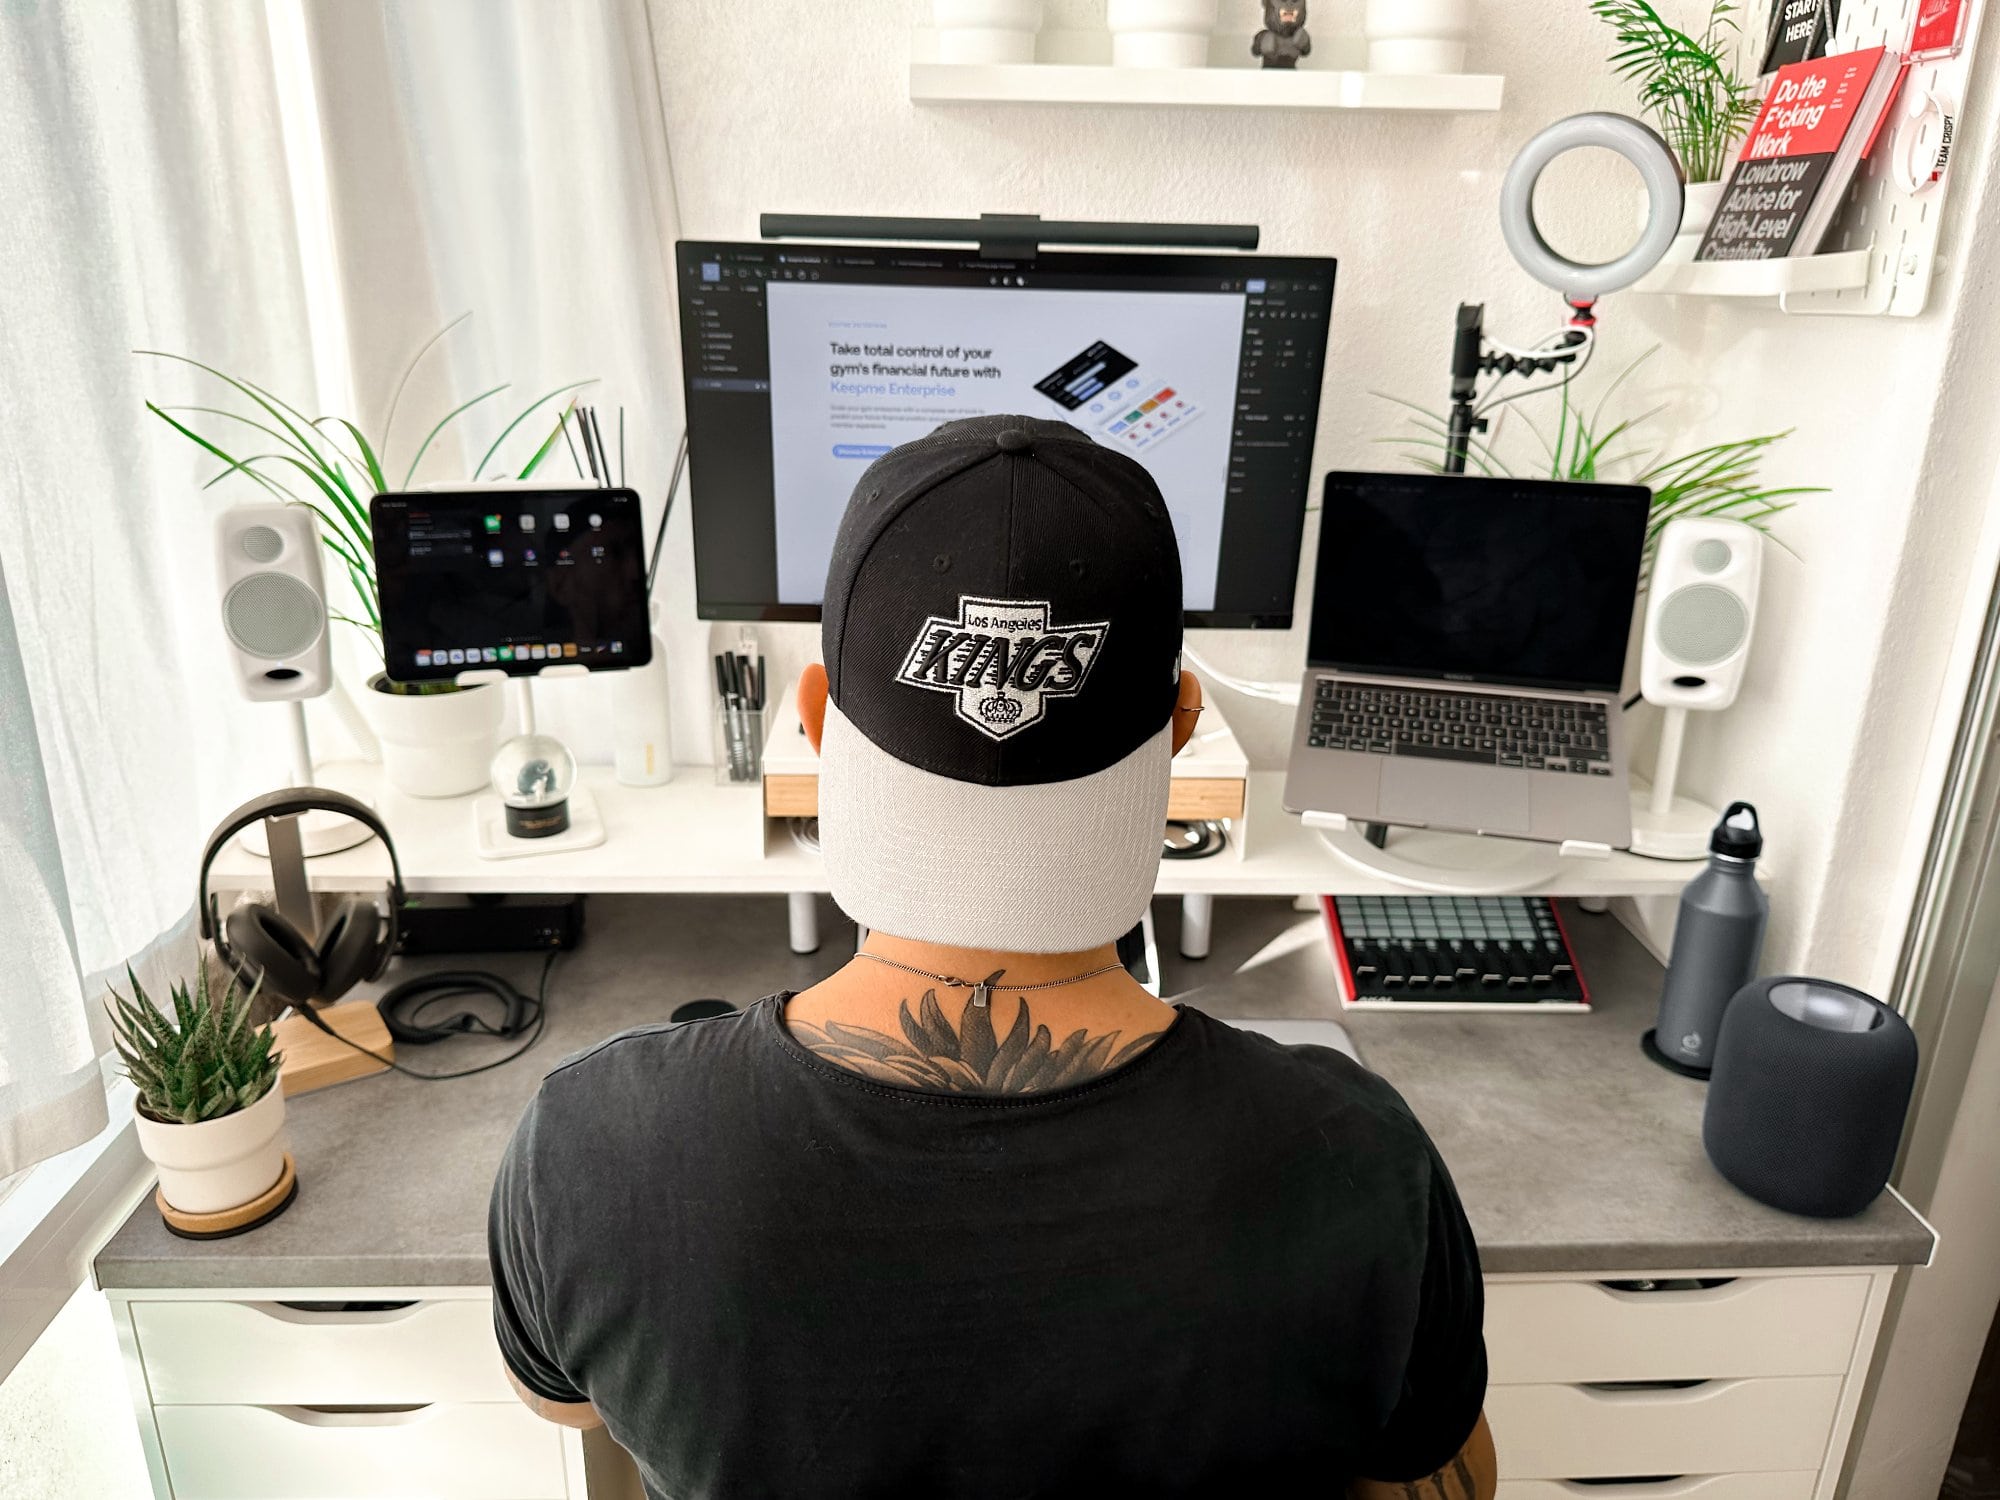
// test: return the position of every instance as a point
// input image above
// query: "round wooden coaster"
(239, 1220)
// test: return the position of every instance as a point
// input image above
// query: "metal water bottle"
(1716, 945)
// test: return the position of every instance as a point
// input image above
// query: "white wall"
(810, 112)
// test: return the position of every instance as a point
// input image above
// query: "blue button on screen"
(859, 450)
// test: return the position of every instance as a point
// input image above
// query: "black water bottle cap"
(1738, 834)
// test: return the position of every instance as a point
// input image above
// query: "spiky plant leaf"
(203, 1061)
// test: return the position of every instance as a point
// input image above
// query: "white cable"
(1271, 692)
(1570, 372)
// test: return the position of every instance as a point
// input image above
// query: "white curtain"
(146, 207)
(507, 159)
(172, 182)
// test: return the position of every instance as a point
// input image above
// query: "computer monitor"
(805, 362)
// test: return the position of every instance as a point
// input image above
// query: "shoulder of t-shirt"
(1292, 1078)
(645, 1049)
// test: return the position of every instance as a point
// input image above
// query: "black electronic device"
(805, 362)
(510, 580)
(1811, 1084)
(490, 923)
(1452, 953)
(1526, 583)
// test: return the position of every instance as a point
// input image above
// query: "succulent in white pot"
(986, 31)
(210, 1113)
(1160, 33)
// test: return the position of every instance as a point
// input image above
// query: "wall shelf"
(1223, 88)
(1780, 277)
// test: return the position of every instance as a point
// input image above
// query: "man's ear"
(1187, 708)
(812, 701)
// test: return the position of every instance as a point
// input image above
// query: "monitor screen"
(1529, 582)
(805, 362)
(510, 580)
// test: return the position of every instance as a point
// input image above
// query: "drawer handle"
(1645, 1487)
(1655, 1393)
(349, 1416)
(1706, 1293)
(338, 1314)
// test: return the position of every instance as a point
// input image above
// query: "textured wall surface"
(1862, 602)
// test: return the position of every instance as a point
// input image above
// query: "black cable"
(660, 536)
(1631, 701)
(447, 984)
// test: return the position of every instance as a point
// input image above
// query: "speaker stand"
(1666, 825)
(320, 832)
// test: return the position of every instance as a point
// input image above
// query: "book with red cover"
(1817, 123)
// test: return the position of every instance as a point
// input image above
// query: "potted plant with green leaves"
(1589, 442)
(210, 1112)
(437, 738)
(1689, 87)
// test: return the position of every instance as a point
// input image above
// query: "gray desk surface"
(1571, 1151)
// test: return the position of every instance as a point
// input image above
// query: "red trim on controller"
(1582, 985)
(1348, 993)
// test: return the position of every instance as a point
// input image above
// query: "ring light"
(1642, 147)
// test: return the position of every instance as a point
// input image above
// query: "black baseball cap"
(1002, 633)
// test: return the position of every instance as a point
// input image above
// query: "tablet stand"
(489, 822)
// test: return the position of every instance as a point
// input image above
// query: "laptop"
(1464, 655)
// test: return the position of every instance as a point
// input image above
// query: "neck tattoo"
(935, 1055)
(982, 989)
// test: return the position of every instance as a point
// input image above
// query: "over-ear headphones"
(256, 942)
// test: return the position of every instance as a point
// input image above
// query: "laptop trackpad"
(1451, 794)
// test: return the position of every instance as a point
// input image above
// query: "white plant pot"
(1417, 36)
(222, 1163)
(1697, 209)
(436, 744)
(986, 31)
(1160, 33)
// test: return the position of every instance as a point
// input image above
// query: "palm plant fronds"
(1692, 91)
(1720, 479)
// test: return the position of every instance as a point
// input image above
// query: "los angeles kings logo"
(1002, 661)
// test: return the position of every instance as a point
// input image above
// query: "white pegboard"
(1899, 231)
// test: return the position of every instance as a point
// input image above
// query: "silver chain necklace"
(982, 989)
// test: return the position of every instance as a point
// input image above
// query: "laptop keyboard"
(1540, 734)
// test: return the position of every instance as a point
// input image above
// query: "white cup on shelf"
(1160, 33)
(1417, 36)
(986, 31)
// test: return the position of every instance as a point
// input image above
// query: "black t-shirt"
(1228, 1267)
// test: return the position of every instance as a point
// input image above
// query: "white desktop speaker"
(273, 601)
(1701, 609)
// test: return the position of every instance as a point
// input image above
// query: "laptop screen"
(1524, 582)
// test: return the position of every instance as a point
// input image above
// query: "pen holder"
(738, 735)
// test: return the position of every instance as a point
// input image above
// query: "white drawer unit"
(1718, 1427)
(245, 1394)
(335, 1394)
(484, 1452)
(1573, 1332)
(1794, 1486)
(274, 1353)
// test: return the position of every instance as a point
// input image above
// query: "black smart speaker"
(1806, 1102)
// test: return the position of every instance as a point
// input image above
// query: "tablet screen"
(510, 580)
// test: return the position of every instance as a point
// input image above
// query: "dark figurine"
(1284, 39)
